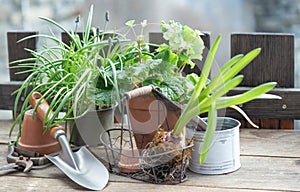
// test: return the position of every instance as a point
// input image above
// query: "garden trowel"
(81, 166)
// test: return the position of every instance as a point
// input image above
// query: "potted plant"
(66, 74)
(104, 96)
(161, 68)
(209, 96)
(164, 154)
(223, 155)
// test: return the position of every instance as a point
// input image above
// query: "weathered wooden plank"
(6, 98)
(261, 173)
(286, 108)
(282, 175)
(269, 123)
(286, 124)
(17, 51)
(277, 152)
(66, 39)
(265, 142)
(270, 174)
(37, 184)
(274, 63)
(157, 38)
(263, 123)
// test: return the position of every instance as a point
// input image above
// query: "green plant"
(163, 67)
(73, 77)
(209, 95)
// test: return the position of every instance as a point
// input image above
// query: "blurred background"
(217, 17)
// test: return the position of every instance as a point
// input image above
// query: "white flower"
(144, 23)
(183, 38)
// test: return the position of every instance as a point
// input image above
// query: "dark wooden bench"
(275, 63)
(16, 51)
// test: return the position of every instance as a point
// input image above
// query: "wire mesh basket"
(140, 153)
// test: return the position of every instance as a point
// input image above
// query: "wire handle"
(139, 92)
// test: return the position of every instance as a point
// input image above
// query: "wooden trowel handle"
(41, 110)
(139, 92)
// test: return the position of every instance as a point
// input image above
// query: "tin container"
(224, 153)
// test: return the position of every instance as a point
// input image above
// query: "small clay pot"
(129, 161)
(34, 138)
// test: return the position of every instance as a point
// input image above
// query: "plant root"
(165, 160)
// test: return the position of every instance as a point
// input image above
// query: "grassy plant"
(209, 95)
(72, 77)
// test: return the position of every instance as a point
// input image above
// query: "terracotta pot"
(146, 115)
(129, 161)
(34, 138)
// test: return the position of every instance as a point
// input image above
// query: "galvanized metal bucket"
(224, 153)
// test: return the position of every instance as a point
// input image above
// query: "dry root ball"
(165, 160)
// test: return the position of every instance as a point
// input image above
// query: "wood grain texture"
(6, 98)
(17, 51)
(256, 173)
(66, 185)
(269, 158)
(286, 108)
(67, 40)
(274, 63)
(273, 143)
(286, 124)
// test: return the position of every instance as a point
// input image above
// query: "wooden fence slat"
(286, 108)
(286, 124)
(270, 123)
(6, 98)
(274, 63)
(67, 40)
(17, 51)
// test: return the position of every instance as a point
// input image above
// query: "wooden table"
(270, 162)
